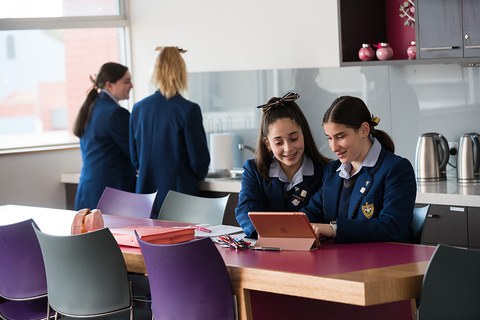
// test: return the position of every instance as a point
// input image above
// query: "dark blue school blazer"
(168, 146)
(259, 194)
(105, 153)
(381, 205)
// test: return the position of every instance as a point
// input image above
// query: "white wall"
(226, 35)
(220, 35)
(33, 178)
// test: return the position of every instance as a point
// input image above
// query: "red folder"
(156, 235)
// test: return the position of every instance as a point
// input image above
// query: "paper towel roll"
(221, 151)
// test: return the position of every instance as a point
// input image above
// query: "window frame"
(111, 21)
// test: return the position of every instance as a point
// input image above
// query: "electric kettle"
(468, 161)
(431, 157)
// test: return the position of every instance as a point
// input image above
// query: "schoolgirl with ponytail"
(287, 169)
(102, 126)
(368, 194)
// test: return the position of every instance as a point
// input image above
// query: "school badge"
(367, 210)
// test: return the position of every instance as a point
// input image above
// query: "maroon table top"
(329, 259)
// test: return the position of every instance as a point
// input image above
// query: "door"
(474, 227)
(440, 29)
(471, 28)
(446, 225)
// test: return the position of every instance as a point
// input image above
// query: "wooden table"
(362, 274)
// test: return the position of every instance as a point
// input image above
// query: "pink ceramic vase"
(412, 51)
(384, 51)
(366, 52)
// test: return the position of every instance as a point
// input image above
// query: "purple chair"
(128, 204)
(23, 284)
(188, 280)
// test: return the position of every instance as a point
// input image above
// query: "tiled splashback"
(409, 100)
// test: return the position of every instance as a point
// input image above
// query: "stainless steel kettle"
(468, 160)
(431, 157)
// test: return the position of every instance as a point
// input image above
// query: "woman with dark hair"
(287, 169)
(167, 138)
(368, 194)
(102, 126)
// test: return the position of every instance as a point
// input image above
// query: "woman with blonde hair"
(168, 144)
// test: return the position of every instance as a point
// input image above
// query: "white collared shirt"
(306, 169)
(111, 96)
(369, 161)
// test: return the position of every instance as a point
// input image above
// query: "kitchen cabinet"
(446, 225)
(448, 29)
(474, 227)
(372, 22)
(452, 225)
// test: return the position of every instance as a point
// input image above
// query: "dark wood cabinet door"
(440, 31)
(474, 227)
(446, 225)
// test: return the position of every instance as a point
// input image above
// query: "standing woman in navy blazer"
(368, 194)
(102, 126)
(287, 169)
(167, 139)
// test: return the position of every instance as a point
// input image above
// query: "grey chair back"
(450, 285)
(86, 274)
(192, 209)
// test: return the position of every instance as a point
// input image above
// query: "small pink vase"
(366, 52)
(384, 51)
(412, 51)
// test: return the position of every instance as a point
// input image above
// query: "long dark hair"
(109, 72)
(288, 110)
(352, 112)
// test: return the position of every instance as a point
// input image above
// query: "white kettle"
(468, 161)
(431, 157)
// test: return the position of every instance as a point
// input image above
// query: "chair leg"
(235, 307)
(131, 300)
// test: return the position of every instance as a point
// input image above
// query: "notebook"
(284, 230)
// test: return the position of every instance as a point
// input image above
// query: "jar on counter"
(384, 51)
(366, 52)
(412, 51)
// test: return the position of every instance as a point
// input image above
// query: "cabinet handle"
(472, 47)
(432, 215)
(439, 48)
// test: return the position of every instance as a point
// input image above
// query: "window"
(47, 62)
(58, 8)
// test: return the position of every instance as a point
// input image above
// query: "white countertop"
(447, 192)
(218, 185)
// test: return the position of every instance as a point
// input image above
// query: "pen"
(201, 228)
(266, 248)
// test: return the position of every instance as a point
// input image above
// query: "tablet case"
(284, 230)
(155, 235)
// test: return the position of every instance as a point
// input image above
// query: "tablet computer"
(284, 230)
